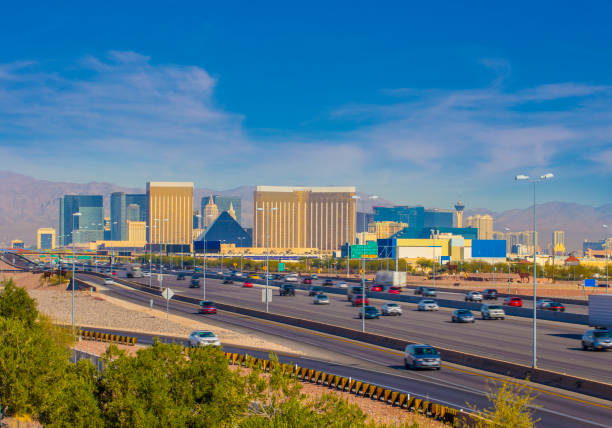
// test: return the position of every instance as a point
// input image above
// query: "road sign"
(235, 264)
(281, 267)
(167, 293)
(592, 282)
(265, 268)
(263, 295)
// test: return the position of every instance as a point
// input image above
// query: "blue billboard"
(488, 248)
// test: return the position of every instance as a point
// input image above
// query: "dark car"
(376, 287)
(287, 290)
(553, 306)
(490, 294)
(181, 276)
(419, 290)
(195, 283)
(314, 290)
(370, 312)
(207, 307)
(328, 283)
(228, 280)
(429, 292)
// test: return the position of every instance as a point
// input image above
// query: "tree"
(15, 303)
(511, 407)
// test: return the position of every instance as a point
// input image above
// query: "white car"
(428, 305)
(341, 284)
(146, 274)
(321, 299)
(490, 312)
(291, 278)
(203, 338)
(391, 309)
(108, 281)
(473, 296)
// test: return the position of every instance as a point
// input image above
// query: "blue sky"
(421, 104)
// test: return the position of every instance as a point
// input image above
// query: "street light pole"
(267, 249)
(363, 290)
(534, 180)
(73, 269)
(605, 226)
(508, 230)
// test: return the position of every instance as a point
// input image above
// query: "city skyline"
(326, 106)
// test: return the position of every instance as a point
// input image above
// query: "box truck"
(390, 277)
(600, 310)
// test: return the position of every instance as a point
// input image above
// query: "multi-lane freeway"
(454, 385)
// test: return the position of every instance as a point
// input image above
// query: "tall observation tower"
(459, 208)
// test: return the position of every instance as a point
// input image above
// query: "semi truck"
(134, 271)
(600, 311)
(390, 277)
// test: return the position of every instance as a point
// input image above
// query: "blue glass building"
(124, 207)
(88, 227)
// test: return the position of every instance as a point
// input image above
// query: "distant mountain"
(579, 222)
(27, 203)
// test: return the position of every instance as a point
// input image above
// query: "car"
(270, 277)
(370, 313)
(197, 275)
(237, 274)
(220, 272)
(146, 274)
(513, 301)
(180, 276)
(541, 302)
(207, 307)
(390, 308)
(228, 280)
(394, 290)
(554, 306)
(489, 312)
(108, 281)
(429, 292)
(358, 300)
(463, 315)
(321, 299)
(314, 290)
(114, 273)
(490, 294)
(314, 276)
(473, 296)
(355, 289)
(254, 276)
(307, 281)
(247, 284)
(203, 338)
(328, 282)
(341, 284)
(420, 356)
(291, 278)
(428, 305)
(376, 287)
(597, 339)
(195, 283)
(287, 290)
(419, 290)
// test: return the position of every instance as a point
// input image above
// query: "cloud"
(123, 118)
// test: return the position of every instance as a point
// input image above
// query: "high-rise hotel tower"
(170, 215)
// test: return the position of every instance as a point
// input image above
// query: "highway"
(453, 385)
(510, 339)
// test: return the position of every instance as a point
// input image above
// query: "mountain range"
(27, 203)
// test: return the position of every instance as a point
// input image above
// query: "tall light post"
(363, 290)
(348, 241)
(534, 180)
(206, 226)
(74, 215)
(161, 245)
(433, 256)
(507, 231)
(262, 210)
(605, 226)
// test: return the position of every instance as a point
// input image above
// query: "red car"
(247, 284)
(358, 300)
(376, 287)
(307, 281)
(394, 290)
(207, 307)
(114, 273)
(513, 301)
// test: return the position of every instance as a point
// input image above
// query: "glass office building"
(87, 227)
(124, 207)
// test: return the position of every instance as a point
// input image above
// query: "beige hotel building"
(172, 201)
(303, 217)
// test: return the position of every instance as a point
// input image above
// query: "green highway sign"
(369, 250)
(281, 267)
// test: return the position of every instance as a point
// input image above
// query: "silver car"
(421, 357)
(489, 312)
(473, 296)
(540, 303)
(203, 338)
(596, 339)
(321, 299)
(428, 305)
(391, 309)
(463, 315)
(341, 284)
